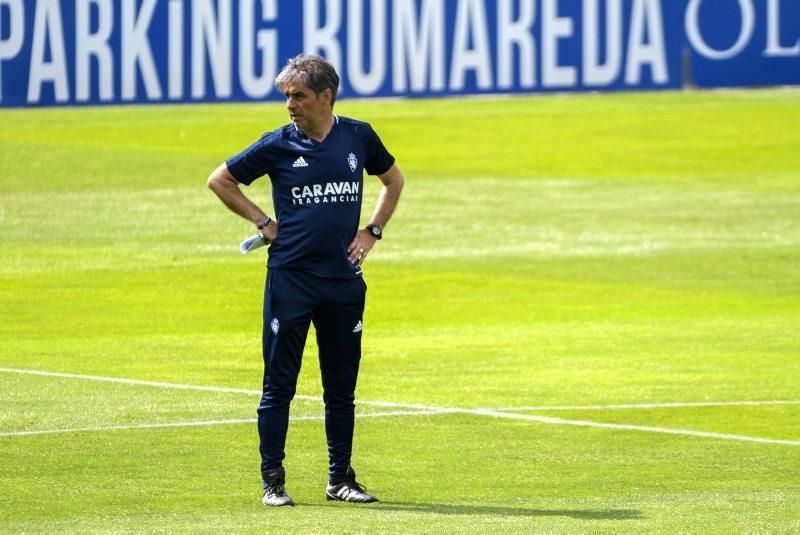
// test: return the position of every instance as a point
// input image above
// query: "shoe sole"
(290, 503)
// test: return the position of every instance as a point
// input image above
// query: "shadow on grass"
(452, 509)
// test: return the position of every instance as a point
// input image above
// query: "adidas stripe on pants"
(292, 300)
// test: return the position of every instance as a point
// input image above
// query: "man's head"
(310, 84)
(312, 71)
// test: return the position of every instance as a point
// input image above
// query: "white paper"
(253, 242)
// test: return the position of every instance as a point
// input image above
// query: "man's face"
(307, 110)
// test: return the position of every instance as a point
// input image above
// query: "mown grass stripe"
(665, 405)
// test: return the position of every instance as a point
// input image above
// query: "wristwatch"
(261, 228)
(376, 230)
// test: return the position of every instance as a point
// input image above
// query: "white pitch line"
(230, 390)
(221, 389)
(429, 409)
(202, 388)
(665, 405)
(627, 427)
(198, 423)
(124, 381)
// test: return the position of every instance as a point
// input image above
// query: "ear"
(326, 96)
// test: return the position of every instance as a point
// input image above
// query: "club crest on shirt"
(275, 325)
(352, 161)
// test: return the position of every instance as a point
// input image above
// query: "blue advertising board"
(68, 52)
(743, 42)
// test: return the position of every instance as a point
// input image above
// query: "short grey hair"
(312, 71)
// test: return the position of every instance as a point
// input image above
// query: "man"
(316, 251)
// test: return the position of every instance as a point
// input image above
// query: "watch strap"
(264, 224)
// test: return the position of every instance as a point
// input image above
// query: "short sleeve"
(378, 158)
(253, 162)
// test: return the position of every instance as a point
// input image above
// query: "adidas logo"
(358, 327)
(300, 162)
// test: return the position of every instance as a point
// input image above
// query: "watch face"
(376, 231)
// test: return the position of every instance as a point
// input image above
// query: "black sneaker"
(274, 490)
(349, 490)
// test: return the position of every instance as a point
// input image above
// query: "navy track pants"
(292, 300)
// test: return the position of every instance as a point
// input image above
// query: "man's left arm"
(387, 202)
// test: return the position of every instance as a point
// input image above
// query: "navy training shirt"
(317, 189)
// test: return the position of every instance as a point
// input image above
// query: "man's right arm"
(222, 183)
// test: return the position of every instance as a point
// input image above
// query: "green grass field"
(574, 304)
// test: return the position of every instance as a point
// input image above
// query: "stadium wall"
(68, 52)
